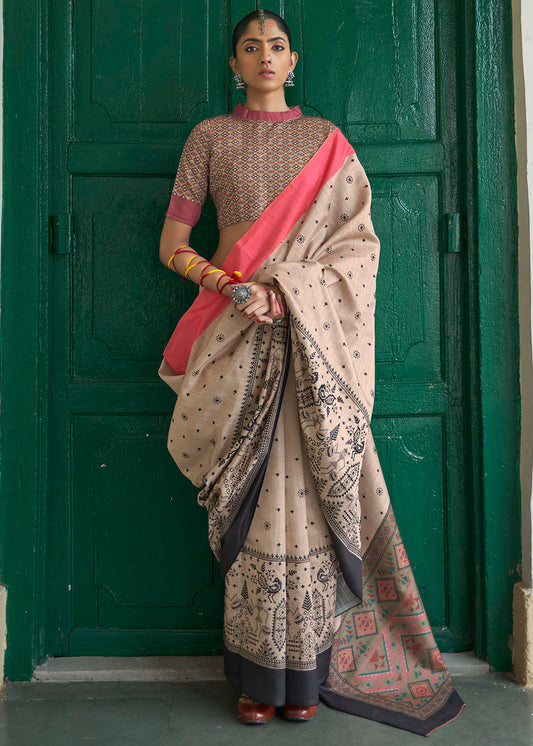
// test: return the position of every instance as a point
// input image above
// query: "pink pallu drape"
(316, 241)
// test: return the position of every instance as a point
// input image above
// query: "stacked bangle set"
(234, 278)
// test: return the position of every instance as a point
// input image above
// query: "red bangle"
(179, 250)
(229, 282)
(175, 254)
(198, 263)
(203, 271)
(220, 278)
(201, 276)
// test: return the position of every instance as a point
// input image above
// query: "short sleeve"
(192, 178)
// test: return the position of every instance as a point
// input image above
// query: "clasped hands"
(265, 305)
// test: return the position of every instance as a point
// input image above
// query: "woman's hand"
(264, 305)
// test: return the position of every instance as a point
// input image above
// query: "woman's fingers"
(272, 299)
(277, 306)
(255, 307)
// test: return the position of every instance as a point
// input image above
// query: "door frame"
(493, 396)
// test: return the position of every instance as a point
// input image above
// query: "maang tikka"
(261, 20)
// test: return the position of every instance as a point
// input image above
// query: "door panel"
(376, 65)
(408, 314)
(133, 535)
(146, 69)
(130, 571)
(125, 301)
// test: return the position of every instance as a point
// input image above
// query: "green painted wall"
(90, 567)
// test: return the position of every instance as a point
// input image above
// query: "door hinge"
(453, 222)
(60, 233)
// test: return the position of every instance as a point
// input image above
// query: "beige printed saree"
(272, 424)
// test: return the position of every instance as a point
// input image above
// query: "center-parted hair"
(255, 15)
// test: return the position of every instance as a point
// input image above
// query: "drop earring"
(290, 79)
(239, 82)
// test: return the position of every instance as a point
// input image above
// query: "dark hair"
(243, 24)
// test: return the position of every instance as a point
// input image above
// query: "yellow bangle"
(213, 270)
(191, 267)
(183, 246)
(187, 267)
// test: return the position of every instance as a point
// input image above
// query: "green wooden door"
(129, 570)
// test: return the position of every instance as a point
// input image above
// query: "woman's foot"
(254, 712)
(293, 712)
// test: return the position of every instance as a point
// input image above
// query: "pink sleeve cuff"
(184, 210)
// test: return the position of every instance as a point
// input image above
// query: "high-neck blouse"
(244, 159)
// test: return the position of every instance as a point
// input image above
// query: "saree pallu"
(272, 424)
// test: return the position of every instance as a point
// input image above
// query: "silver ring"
(241, 293)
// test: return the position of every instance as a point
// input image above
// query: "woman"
(273, 365)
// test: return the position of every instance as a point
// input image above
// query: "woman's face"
(258, 52)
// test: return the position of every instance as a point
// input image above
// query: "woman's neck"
(274, 101)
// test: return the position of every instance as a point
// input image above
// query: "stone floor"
(52, 711)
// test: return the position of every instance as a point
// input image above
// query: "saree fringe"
(272, 423)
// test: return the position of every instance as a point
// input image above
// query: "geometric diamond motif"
(421, 689)
(400, 669)
(401, 555)
(436, 660)
(365, 623)
(345, 660)
(387, 590)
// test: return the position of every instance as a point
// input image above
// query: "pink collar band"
(267, 116)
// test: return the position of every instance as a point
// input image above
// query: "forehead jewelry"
(261, 20)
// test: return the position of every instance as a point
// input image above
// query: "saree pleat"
(280, 591)
(272, 423)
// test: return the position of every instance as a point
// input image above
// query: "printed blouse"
(245, 159)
